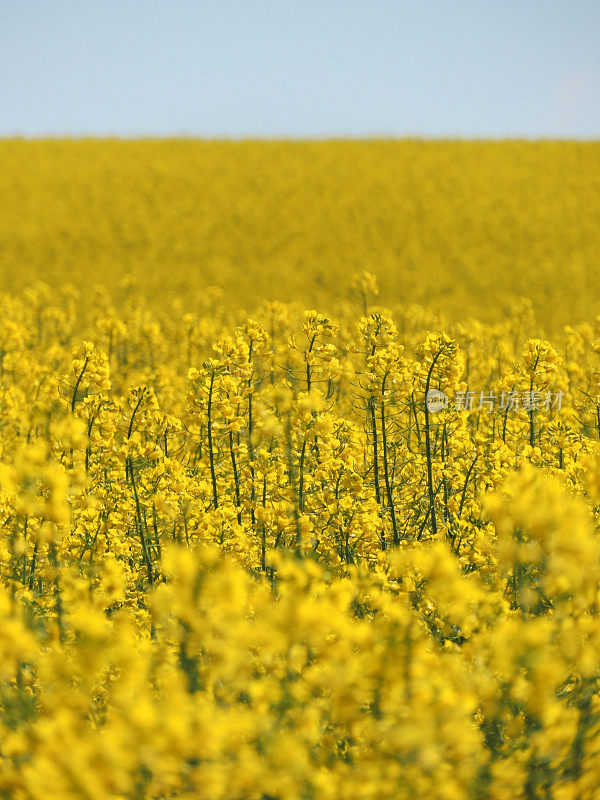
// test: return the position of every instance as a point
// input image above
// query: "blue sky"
(300, 68)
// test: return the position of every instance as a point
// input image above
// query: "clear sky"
(298, 68)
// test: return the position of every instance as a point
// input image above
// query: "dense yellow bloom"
(463, 227)
(344, 552)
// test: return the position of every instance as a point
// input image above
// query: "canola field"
(299, 470)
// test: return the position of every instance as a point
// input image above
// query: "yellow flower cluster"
(337, 553)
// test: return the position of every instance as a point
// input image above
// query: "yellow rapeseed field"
(299, 470)
(461, 227)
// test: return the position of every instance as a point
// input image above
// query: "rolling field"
(299, 470)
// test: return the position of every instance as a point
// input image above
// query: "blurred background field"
(463, 227)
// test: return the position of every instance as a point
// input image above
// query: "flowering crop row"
(242, 558)
(465, 227)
